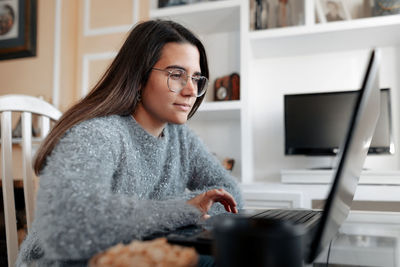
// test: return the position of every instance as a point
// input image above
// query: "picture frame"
(18, 19)
(332, 10)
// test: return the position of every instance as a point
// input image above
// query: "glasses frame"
(170, 72)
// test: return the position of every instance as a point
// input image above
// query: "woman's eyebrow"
(182, 68)
(175, 67)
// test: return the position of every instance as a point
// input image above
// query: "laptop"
(320, 226)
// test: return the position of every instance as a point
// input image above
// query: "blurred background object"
(386, 7)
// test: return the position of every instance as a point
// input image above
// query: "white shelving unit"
(203, 16)
(224, 28)
(327, 37)
(326, 177)
(227, 110)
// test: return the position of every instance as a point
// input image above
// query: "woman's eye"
(176, 75)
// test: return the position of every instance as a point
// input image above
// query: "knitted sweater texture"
(109, 181)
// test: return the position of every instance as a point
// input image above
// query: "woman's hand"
(205, 200)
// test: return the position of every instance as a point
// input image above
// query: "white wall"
(221, 46)
(271, 78)
(222, 136)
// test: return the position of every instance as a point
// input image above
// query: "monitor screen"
(316, 123)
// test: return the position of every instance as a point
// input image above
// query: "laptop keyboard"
(190, 233)
(294, 216)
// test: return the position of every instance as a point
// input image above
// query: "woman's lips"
(182, 106)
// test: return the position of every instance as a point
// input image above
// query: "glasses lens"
(176, 80)
(202, 84)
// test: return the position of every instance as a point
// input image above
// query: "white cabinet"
(223, 26)
(327, 37)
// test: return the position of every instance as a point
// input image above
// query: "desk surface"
(366, 239)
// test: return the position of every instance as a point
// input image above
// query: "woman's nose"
(190, 89)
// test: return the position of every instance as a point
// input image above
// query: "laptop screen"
(351, 158)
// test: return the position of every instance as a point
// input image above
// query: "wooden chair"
(26, 105)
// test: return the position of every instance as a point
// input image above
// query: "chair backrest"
(26, 105)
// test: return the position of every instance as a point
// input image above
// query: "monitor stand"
(330, 168)
(327, 166)
(321, 168)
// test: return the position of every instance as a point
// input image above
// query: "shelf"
(325, 177)
(220, 106)
(203, 17)
(223, 110)
(321, 38)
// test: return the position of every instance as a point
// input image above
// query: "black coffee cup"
(241, 242)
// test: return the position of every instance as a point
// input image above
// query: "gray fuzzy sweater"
(109, 181)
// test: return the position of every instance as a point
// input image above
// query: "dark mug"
(257, 242)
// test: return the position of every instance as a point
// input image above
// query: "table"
(366, 239)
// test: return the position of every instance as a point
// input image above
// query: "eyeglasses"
(177, 80)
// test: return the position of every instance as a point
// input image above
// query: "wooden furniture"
(27, 105)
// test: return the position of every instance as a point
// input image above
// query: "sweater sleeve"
(207, 173)
(77, 214)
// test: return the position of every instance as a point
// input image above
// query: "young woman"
(121, 165)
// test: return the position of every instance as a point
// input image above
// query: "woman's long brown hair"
(116, 92)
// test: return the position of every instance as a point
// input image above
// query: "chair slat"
(27, 174)
(8, 188)
(44, 126)
(28, 103)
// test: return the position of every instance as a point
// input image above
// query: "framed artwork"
(332, 10)
(17, 28)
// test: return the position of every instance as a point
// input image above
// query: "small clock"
(227, 88)
(221, 93)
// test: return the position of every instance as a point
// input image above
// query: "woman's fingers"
(223, 197)
(226, 206)
(229, 200)
(205, 200)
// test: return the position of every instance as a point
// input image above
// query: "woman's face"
(159, 105)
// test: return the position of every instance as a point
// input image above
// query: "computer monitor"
(316, 123)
